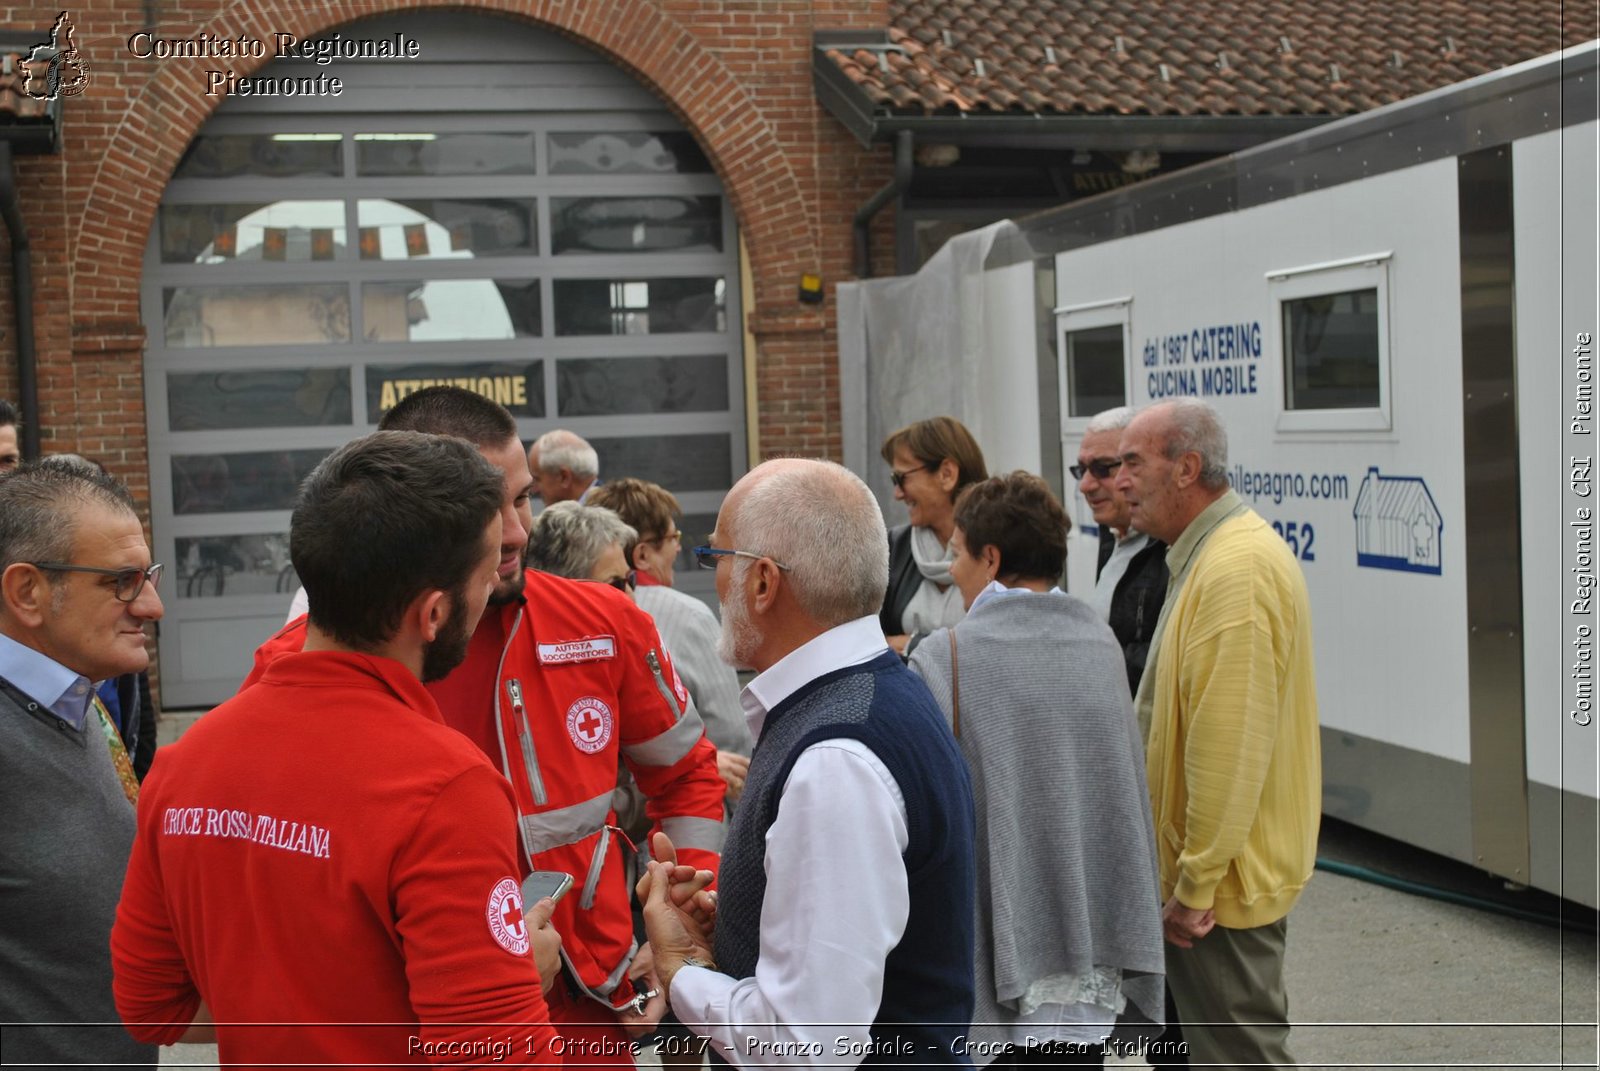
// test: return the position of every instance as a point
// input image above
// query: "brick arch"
(167, 113)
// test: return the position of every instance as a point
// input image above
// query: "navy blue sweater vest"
(927, 994)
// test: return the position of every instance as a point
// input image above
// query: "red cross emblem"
(512, 917)
(505, 917)
(589, 724)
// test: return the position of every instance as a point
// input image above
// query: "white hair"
(1195, 427)
(820, 520)
(1110, 420)
(568, 538)
(739, 638)
(562, 449)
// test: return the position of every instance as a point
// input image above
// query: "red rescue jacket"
(583, 683)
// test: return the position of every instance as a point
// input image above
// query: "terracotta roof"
(1195, 57)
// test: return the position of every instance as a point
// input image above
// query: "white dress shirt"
(836, 903)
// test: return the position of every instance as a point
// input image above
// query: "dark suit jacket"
(904, 579)
(1136, 604)
(138, 720)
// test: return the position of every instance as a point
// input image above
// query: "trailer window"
(1331, 329)
(1331, 353)
(1092, 360)
(1095, 374)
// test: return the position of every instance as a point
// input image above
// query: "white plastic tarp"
(949, 340)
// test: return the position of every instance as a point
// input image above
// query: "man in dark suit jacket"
(1132, 570)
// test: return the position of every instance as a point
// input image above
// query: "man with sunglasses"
(1132, 574)
(561, 682)
(76, 590)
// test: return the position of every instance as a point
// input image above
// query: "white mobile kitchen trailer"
(1394, 315)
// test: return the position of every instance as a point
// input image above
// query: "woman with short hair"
(930, 463)
(688, 626)
(582, 543)
(1069, 941)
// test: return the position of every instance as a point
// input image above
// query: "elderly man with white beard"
(825, 951)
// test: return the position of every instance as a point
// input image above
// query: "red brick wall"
(738, 73)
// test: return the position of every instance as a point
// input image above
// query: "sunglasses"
(130, 581)
(898, 478)
(626, 583)
(1099, 467)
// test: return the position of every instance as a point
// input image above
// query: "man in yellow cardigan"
(1229, 706)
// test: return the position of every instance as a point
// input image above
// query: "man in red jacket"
(320, 862)
(563, 679)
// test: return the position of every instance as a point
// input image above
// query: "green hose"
(1432, 892)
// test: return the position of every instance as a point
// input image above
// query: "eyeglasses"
(673, 536)
(625, 583)
(1099, 467)
(898, 478)
(130, 581)
(707, 556)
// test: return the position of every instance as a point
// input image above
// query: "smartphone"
(543, 883)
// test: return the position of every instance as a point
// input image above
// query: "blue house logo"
(1398, 526)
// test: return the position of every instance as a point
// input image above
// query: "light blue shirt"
(47, 682)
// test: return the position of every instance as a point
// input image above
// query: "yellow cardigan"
(1235, 760)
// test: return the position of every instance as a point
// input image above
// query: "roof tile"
(1109, 54)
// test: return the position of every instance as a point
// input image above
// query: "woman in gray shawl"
(1069, 946)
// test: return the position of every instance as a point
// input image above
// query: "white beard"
(739, 640)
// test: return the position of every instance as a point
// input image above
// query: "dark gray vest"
(64, 845)
(927, 994)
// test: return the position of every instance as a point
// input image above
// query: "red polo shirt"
(322, 850)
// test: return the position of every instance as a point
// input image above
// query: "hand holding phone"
(545, 883)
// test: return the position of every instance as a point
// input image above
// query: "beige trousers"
(1231, 999)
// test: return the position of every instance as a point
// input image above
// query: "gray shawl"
(1066, 852)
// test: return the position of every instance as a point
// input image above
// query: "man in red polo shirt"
(320, 863)
(562, 680)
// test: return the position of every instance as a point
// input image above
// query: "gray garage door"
(510, 212)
